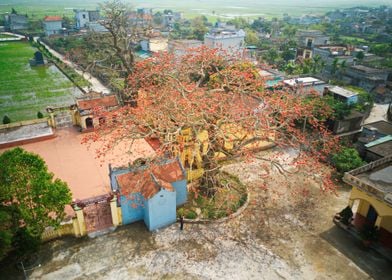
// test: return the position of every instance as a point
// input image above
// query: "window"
(84, 16)
(309, 43)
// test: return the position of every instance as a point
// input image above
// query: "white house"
(84, 17)
(53, 25)
(230, 41)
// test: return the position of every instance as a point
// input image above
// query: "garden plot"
(26, 90)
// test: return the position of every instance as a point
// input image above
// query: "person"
(181, 222)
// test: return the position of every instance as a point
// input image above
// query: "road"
(96, 85)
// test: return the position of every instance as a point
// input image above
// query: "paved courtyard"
(77, 163)
(279, 236)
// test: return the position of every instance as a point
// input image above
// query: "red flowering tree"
(224, 98)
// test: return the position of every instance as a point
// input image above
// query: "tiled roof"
(53, 18)
(149, 181)
(106, 101)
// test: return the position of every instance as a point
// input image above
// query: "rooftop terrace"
(374, 178)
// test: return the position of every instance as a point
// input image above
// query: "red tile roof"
(106, 101)
(148, 182)
(53, 18)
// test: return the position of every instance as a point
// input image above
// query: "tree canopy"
(222, 98)
(30, 199)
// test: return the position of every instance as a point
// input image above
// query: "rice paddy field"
(26, 90)
(212, 9)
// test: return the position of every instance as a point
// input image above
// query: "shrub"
(6, 119)
(347, 159)
(40, 115)
(191, 215)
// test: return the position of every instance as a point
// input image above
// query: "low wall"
(64, 230)
(26, 141)
(22, 123)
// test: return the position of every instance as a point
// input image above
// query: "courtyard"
(26, 90)
(77, 164)
(278, 236)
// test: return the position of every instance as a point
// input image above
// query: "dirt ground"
(279, 236)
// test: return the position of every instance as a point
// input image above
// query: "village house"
(375, 140)
(150, 192)
(15, 22)
(230, 41)
(350, 125)
(307, 40)
(366, 77)
(170, 18)
(306, 85)
(142, 18)
(331, 54)
(84, 17)
(154, 44)
(85, 117)
(371, 197)
(53, 25)
(347, 96)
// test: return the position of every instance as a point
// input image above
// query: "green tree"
(271, 56)
(199, 27)
(40, 115)
(347, 159)
(30, 200)
(251, 38)
(360, 56)
(6, 119)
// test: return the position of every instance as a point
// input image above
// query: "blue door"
(371, 215)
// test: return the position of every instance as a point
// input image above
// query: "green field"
(25, 90)
(213, 9)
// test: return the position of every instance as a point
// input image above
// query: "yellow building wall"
(384, 211)
(382, 208)
(386, 223)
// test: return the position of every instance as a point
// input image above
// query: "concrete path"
(378, 113)
(96, 85)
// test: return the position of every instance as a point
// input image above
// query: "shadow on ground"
(369, 261)
(11, 269)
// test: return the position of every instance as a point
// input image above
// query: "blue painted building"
(150, 192)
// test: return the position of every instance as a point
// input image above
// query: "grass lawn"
(25, 90)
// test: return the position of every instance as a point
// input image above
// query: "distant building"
(347, 96)
(141, 18)
(84, 17)
(309, 19)
(331, 53)
(53, 25)
(181, 47)
(150, 193)
(371, 198)
(366, 77)
(170, 18)
(306, 85)
(156, 44)
(375, 140)
(230, 41)
(15, 22)
(308, 39)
